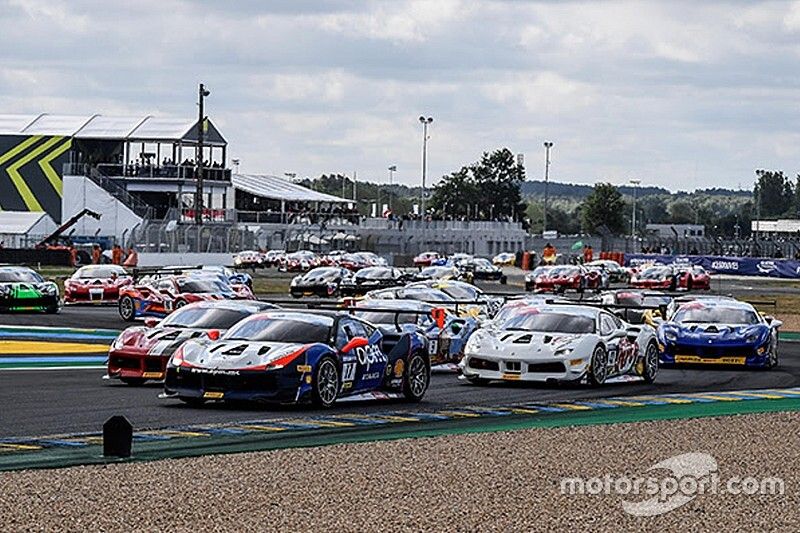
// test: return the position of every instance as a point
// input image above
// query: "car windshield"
(425, 295)
(203, 285)
(629, 299)
(102, 272)
(269, 329)
(204, 318)
(691, 314)
(325, 272)
(374, 273)
(481, 262)
(435, 271)
(460, 292)
(656, 273)
(549, 323)
(23, 275)
(564, 271)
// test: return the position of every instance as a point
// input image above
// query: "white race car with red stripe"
(555, 342)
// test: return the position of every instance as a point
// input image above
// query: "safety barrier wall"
(742, 266)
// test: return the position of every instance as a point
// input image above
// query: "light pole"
(760, 174)
(547, 146)
(198, 200)
(635, 184)
(392, 170)
(425, 122)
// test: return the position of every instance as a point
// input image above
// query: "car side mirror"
(355, 342)
(769, 319)
(456, 327)
(151, 322)
(213, 334)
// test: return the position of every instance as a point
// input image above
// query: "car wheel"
(325, 387)
(417, 378)
(134, 382)
(191, 401)
(650, 370)
(478, 381)
(126, 310)
(598, 369)
(52, 310)
(773, 362)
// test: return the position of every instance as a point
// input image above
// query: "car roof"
(582, 310)
(254, 306)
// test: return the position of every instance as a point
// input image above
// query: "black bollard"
(117, 437)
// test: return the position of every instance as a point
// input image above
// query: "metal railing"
(171, 237)
(186, 172)
(116, 190)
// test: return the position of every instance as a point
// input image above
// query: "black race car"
(371, 278)
(481, 269)
(321, 281)
(23, 289)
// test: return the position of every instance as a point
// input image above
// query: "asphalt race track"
(47, 402)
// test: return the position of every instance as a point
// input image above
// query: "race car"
(717, 331)
(96, 284)
(481, 269)
(564, 277)
(297, 357)
(274, 258)
(560, 343)
(371, 259)
(158, 296)
(24, 289)
(446, 333)
(301, 261)
(353, 262)
(425, 259)
(505, 259)
(539, 272)
(616, 272)
(691, 277)
(140, 353)
(371, 278)
(227, 274)
(249, 259)
(470, 300)
(440, 273)
(655, 277)
(322, 281)
(637, 306)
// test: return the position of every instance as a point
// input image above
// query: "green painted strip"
(263, 441)
(789, 336)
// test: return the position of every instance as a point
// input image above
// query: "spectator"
(133, 258)
(588, 253)
(549, 254)
(116, 254)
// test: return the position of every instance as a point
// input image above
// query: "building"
(672, 231)
(23, 229)
(783, 226)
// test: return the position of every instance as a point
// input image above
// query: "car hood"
(236, 354)
(689, 333)
(521, 344)
(155, 341)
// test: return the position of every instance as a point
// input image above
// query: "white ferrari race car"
(557, 343)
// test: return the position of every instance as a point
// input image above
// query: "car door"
(624, 349)
(362, 367)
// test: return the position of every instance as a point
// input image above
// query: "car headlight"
(474, 343)
(670, 336)
(751, 338)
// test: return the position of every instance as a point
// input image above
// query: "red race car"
(141, 353)
(563, 277)
(301, 261)
(426, 258)
(159, 295)
(655, 277)
(691, 277)
(96, 284)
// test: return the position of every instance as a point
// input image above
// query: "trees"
(774, 192)
(486, 190)
(604, 207)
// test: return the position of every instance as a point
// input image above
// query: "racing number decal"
(348, 372)
(626, 355)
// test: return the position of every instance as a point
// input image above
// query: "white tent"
(20, 229)
(276, 188)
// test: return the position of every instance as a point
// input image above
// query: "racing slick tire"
(52, 310)
(773, 361)
(326, 383)
(650, 362)
(134, 382)
(126, 309)
(417, 377)
(598, 367)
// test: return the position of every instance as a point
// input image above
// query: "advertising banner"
(742, 266)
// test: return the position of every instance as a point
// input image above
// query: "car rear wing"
(138, 273)
(438, 314)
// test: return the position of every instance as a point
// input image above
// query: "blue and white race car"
(719, 331)
(446, 333)
(296, 357)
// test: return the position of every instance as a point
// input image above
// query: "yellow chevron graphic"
(19, 148)
(47, 168)
(19, 182)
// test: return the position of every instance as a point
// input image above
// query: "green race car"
(23, 289)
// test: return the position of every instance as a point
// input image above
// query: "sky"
(677, 94)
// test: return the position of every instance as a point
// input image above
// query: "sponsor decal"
(695, 359)
(211, 395)
(724, 265)
(370, 355)
(765, 267)
(304, 368)
(371, 376)
(399, 367)
(214, 371)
